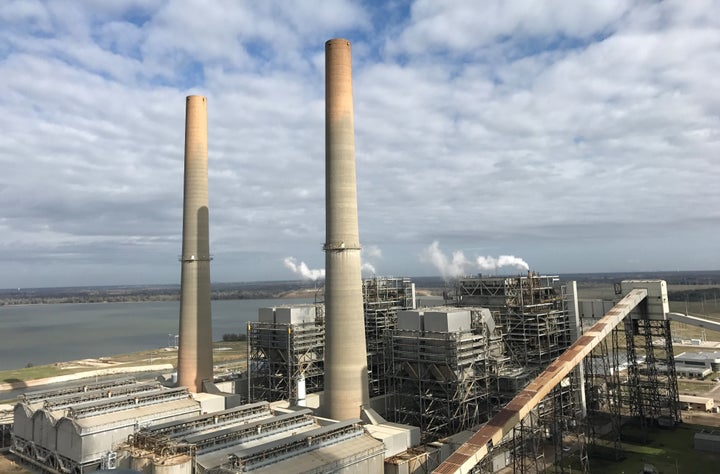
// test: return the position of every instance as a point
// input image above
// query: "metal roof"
(132, 415)
(711, 357)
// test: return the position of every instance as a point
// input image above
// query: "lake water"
(43, 334)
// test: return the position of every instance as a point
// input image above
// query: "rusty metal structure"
(644, 304)
(651, 390)
(537, 321)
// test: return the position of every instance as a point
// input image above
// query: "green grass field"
(670, 451)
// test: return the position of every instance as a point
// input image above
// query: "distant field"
(227, 356)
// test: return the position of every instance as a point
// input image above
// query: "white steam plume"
(371, 252)
(491, 263)
(303, 270)
(449, 268)
(368, 269)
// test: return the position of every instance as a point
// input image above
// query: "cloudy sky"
(578, 136)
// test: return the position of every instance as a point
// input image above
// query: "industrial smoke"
(303, 271)
(458, 265)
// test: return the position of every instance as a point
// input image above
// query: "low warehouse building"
(696, 403)
(705, 362)
(76, 429)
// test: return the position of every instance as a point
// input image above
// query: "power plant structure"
(383, 299)
(286, 346)
(286, 353)
(645, 303)
(442, 361)
(76, 429)
(346, 379)
(367, 381)
(195, 363)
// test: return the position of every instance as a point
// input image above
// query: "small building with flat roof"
(689, 402)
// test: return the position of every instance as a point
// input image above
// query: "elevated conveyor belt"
(694, 321)
(477, 447)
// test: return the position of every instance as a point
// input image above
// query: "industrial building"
(256, 438)
(123, 423)
(485, 380)
(286, 353)
(697, 364)
(537, 321)
(689, 402)
(442, 360)
(286, 346)
(75, 429)
(532, 312)
(383, 298)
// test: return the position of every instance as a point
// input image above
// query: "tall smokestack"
(195, 362)
(346, 377)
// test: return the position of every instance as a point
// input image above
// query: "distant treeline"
(111, 294)
(280, 289)
(703, 294)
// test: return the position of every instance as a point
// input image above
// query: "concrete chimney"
(195, 362)
(346, 377)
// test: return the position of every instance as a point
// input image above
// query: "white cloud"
(465, 26)
(566, 133)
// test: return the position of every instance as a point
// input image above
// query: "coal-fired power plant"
(346, 377)
(455, 388)
(195, 362)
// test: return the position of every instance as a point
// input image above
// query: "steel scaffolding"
(382, 299)
(532, 312)
(282, 353)
(441, 379)
(528, 454)
(652, 386)
(604, 388)
(285, 356)
(535, 322)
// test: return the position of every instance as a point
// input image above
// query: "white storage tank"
(181, 464)
(142, 463)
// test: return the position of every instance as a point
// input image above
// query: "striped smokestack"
(346, 377)
(195, 362)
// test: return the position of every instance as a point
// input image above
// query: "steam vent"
(346, 378)
(195, 345)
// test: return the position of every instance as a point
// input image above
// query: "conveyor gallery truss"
(638, 381)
